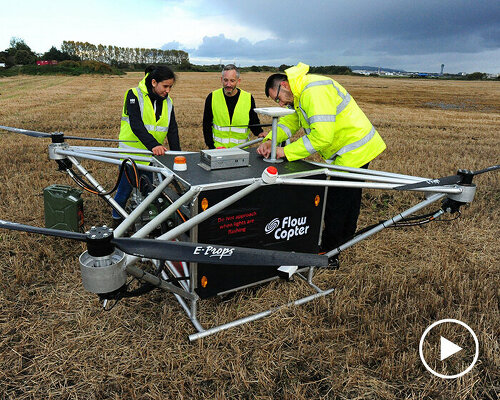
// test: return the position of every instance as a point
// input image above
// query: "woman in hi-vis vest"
(148, 118)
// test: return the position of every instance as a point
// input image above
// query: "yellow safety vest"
(229, 133)
(156, 128)
(335, 126)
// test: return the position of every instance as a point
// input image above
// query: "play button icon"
(449, 348)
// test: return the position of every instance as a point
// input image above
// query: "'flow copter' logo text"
(287, 228)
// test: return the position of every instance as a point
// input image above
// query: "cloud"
(242, 49)
(338, 32)
(174, 45)
(462, 34)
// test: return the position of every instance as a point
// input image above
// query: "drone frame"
(185, 293)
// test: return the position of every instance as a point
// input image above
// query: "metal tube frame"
(387, 223)
(249, 143)
(111, 201)
(257, 316)
(367, 171)
(130, 219)
(109, 160)
(274, 142)
(365, 185)
(383, 180)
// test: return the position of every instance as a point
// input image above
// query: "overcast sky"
(403, 34)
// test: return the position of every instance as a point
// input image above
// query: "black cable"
(419, 220)
(411, 218)
(91, 188)
(148, 184)
(134, 184)
(122, 170)
(459, 214)
(416, 223)
(80, 182)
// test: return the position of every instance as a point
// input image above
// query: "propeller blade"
(447, 180)
(488, 169)
(25, 132)
(463, 176)
(14, 226)
(189, 252)
(214, 254)
(49, 135)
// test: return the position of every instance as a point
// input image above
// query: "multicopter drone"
(204, 226)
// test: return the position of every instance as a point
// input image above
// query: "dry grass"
(359, 343)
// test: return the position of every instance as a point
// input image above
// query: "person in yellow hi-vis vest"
(336, 128)
(148, 118)
(229, 116)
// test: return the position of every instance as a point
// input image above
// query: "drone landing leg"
(308, 280)
(190, 314)
(257, 316)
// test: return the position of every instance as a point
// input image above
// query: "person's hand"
(262, 134)
(264, 149)
(280, 152)
(159, 150)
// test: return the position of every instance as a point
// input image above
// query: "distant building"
(362, 72)
(46, 62)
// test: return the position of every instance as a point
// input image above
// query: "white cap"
(270, 175)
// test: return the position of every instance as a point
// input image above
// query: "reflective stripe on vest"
(149, 127)
(229, 140)
(308, 145)
(224, 134)
(230, 129)
(286, 129)
(126, 146)
(352, 146)
(346, 98)
(140, 96)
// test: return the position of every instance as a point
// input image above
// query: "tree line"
(116, 55)
(19, 53)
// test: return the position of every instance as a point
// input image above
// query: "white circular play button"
(448, 346)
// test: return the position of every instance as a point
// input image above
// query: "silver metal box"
(223, 158)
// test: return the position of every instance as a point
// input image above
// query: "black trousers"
(341, 215)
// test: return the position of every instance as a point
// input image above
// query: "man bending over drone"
(336, 128)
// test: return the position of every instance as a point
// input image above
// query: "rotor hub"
(99, 241)
(466, 176)
(57, 137)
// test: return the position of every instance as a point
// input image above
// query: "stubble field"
(361, 342)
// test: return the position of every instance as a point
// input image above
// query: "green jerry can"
(63, 208)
